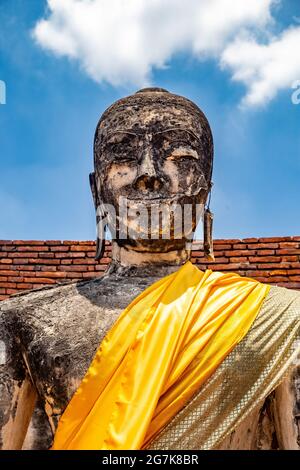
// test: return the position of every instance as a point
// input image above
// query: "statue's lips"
(142, 199)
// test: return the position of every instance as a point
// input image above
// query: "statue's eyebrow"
(164, 131)
(183, 129)
(122, 131)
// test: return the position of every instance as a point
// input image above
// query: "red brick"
(262, 246)
(237, 253)
(197, 253)
(266, 280)
(61, 255)
(24, 285)
(59, 248)
(105, 260)
(21, 261)
(40, 280)
(292, 244)
(246, 266)
(253, 273)
(2, 291)
(294, 278)
(6, 267)
(290, 271)
(100, 267)
(6, 242)
(279, 272)
(74, 275)
(20, 268)
(265, 252)
(82, 248)
(88, 242)
(291, 251)
(33, 248)
(15, 279)
(225, 267)
(11, 291)
(20, 255)
(43, 261)
(290, 258)
(270, 266)
(239, 259)
(7, 284)
(46, 255)
(84, 261)
(66, 261)
(261, 259)
(5, 261)
(3, 278)
(53, 242)
(8, 248)
(90, 275)
(250, 240)
(6, 273)
(76, 254)
(274, 239)
(290, 264)
(28, 242)
(50, 274)
(52, 269)
(239, 246)
(276, 279)
(228, 241)
(3, 297)
(78, 268)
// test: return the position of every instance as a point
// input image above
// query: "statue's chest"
(61, 334)
(58, 358)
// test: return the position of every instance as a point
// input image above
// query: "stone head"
(153, 151)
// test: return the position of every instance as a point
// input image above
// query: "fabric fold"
(162, 348)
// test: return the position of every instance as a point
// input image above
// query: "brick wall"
(30, 264)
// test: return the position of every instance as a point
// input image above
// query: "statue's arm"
(286, 411)
(17, 394)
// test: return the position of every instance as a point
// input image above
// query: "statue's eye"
(121, 142)
(130, 159)
(183, 153)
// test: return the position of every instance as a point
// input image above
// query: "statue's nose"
(147, 178)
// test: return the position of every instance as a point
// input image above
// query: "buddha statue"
(153, 154)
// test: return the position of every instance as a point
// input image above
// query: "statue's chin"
(152, 245)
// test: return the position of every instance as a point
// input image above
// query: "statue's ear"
(100, 216)
(93, 187)
(207, 230)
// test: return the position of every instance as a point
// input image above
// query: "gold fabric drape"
(162, 349)
(245, 378)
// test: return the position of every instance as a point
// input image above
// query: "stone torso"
(51, 335)
(55, 333)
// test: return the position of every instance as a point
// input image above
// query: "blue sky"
(55, 97)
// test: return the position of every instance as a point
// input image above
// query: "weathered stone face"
(154, 149)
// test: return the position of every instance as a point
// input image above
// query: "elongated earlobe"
(208, 218)
(100, 219)
(101, 230)
(207, 235)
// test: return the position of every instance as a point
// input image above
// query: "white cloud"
(121, 41)
(265, 69)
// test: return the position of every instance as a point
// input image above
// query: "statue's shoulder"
(79, 297)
